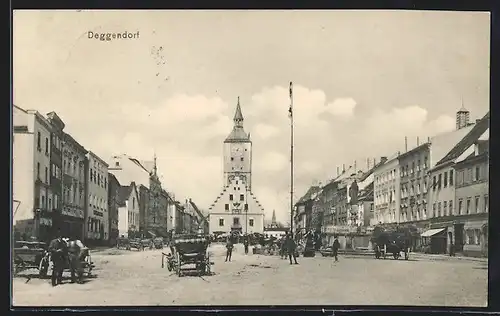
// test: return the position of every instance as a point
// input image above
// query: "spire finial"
(238, 116)
(154, 164)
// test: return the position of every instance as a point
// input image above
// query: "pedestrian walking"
(282, 248)
(452, 249)
(58, 254)
(75, 248)
(245, 244)
(335, 248)
(291, 246)
(229, 249)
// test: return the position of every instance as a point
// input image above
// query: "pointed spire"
(462, 109)
(238, 116)
(273, 219)
(155, 169)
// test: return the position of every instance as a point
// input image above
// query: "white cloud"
(271, 161)
(343, 107)
(265, 131)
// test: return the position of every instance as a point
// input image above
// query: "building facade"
(113, 205)
(386, 192)
(56, 165)
(472, 200)
(32, 194)
(128, 210)
(446, 218)
(236, 208)
(97, 200)
(74, 189)
(156, 216)
(414, 168)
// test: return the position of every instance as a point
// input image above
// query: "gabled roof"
(124, 193)
(200, 213)
(469, 139)
(308, 196)
(367, 193)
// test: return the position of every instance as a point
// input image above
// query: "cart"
(189, 254)
(389, 242)
(30, 255)
(158, 242)
(128, 244)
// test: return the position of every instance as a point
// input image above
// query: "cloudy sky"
(362, 81)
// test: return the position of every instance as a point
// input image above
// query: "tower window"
(230, 197)
(241, 158)
(242, 197)
(226, 207)
(232, 158)
(246, 207)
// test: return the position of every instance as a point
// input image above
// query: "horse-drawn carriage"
(35, 255)
(391, 242)
(31, 255)
(191, 251)
(136, 243)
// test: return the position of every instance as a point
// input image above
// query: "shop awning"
(432, 232)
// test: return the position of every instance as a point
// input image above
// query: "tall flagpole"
(290, 112)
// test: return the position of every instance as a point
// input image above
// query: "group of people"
(64, 252)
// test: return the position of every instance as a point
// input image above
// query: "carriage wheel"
(43, 268)
(178, 265)
(208, 270)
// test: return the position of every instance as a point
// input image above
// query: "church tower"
(463, 117)
(238, 152)
(236, 209)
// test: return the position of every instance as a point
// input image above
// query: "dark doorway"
(459, 237)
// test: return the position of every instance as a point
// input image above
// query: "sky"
(363, 80)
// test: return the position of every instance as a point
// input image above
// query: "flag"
(290, 111)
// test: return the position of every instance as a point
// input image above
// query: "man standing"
(245, 243)
(58, 251)
(229, 247)
(290, 247)
(335, 248)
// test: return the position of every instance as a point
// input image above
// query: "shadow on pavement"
(372, 258)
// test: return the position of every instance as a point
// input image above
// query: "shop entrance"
(459, 237)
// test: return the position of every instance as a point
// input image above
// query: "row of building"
(438, 190)
(60, 186)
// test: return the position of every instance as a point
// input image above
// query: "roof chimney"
(343, 168)
(418, 141)
(383, 159)
(406, 144)
(338, 171)
(477, 120)
(367, 163)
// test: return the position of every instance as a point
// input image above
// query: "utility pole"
(290, 113)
